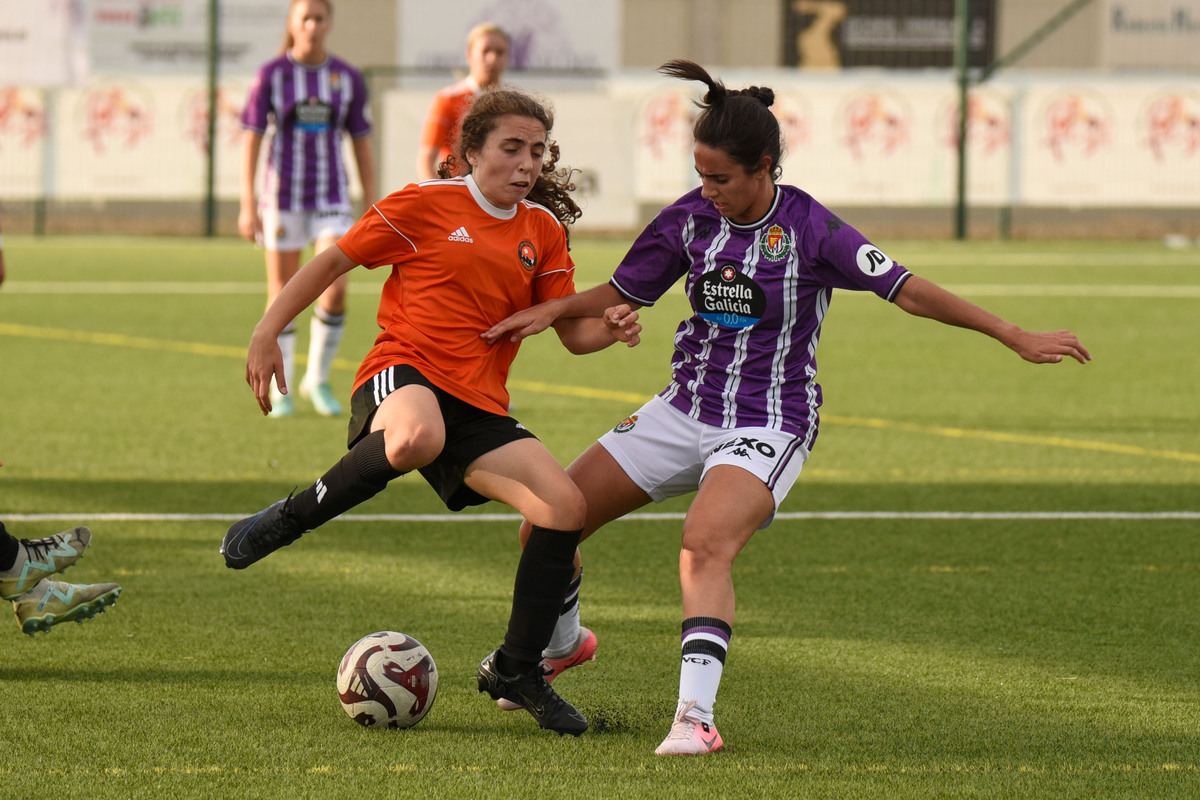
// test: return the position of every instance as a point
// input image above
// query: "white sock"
(287, 346)
(326, 337)
(566, 630)
(704, 647)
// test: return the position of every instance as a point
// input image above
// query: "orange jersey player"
(430, 396)
(468, 261)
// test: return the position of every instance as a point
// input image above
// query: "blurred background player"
(760, 261)
(309, 97)
(487, 57)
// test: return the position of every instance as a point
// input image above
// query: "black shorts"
(470, 432)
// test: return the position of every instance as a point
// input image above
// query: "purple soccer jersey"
(309, 106)
(759, 292)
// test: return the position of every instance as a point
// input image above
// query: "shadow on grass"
(409, 495)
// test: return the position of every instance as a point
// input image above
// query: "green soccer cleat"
(52, 602)
(281, 405)
(40, 558)
(321, 396)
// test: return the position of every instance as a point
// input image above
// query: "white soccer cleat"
(689, 737)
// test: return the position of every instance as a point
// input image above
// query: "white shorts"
(289, 231)
(667, 453)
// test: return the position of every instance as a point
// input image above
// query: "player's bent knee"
(704, 553)
(412, 449)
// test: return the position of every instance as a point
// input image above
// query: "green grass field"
(986, 583)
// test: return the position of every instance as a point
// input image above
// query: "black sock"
(360, 475)
(544, 572)
(10, 546)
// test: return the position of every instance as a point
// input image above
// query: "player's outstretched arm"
(535, 319)
(582, 335)
(926, 299)
(263, 358)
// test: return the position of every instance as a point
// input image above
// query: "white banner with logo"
(167, 37)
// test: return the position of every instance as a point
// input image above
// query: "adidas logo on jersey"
(461, 235)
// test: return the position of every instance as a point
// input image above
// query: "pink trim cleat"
(689, 737)
(585, 650)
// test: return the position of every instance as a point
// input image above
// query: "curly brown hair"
(553, 186)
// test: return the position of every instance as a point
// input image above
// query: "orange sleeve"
(556, 270)
(375, 240)
(439, 121)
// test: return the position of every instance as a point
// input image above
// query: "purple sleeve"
(848, 260)
(655, 261)
(358, 116)
(255, 116)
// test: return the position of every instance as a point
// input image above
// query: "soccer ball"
(387, 680)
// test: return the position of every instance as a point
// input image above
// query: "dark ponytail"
(738, 121)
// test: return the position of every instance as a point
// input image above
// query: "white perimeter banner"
(1113, 144)
(848, 141)
(546, 34)
(893, 141)
(122, 139)
(877, 141)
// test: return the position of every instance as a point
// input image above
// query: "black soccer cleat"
(256, 537)
(531, 691)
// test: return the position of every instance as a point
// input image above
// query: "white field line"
(1147, 516)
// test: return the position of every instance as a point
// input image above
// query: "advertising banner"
(165, 37)
(907, 34)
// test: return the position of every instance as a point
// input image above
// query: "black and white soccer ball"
(387, 680)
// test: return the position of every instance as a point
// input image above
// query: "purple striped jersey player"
(310, 106)
(759, 292)
(307, 99)
(759, 262)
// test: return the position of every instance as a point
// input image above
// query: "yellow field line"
(136, 342)
(1011, 438)
(196, 348)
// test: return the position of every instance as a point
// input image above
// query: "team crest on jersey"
(527, 253)
(728, 298)
(626, 425)
(774, 244)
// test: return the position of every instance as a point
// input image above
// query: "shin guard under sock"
(544, 572)
(360, 475)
